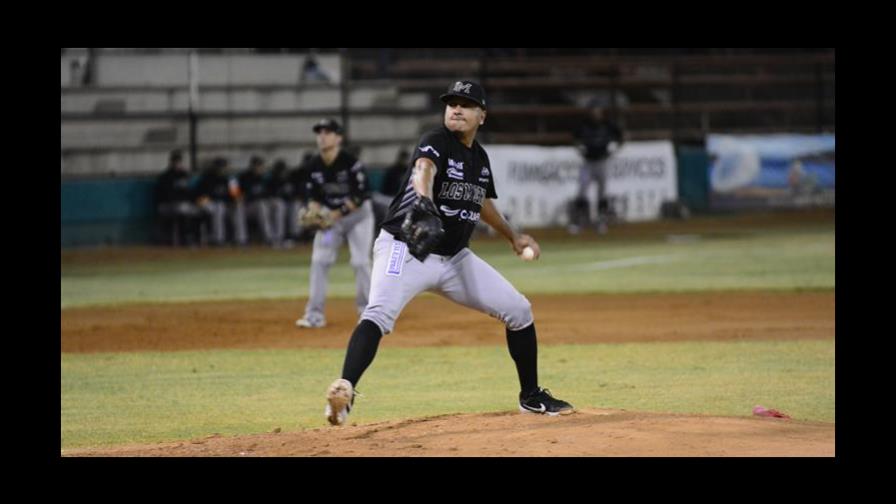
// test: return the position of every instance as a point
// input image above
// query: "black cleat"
(543, 403)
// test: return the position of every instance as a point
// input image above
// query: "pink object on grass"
(765, 412)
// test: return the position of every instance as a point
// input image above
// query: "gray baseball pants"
(464, 278)
(357, 229)
(217, 210)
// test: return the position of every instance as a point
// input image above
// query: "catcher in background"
(339, 208)
(422, 246)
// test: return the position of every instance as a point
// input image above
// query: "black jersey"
(334, 185)
(173, 186)
(253, 186)
(596, 137)
(461, 184)
(215, 186)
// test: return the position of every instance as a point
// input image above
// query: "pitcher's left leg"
(472, 282)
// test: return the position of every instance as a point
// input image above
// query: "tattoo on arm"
(423, 177)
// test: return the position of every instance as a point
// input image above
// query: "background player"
(214, 198)
(174, 201)
(338, 194)
(450, 179)
(598, 138)
(253, 202)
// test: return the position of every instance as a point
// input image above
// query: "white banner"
(535, 184)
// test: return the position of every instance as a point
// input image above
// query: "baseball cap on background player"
(327, 124)
(465, 89)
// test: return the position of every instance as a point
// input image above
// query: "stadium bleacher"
(256, 103)
(136, 108)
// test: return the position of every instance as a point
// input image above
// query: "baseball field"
(664, 335)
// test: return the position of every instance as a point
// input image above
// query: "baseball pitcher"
(423, 246)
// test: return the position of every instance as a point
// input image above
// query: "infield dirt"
(561, 319)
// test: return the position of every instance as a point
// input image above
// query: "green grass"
(123, 398)
(789, 259)
(110, 399)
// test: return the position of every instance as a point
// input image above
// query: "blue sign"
(771, 170)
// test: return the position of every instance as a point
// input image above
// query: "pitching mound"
(586, 433)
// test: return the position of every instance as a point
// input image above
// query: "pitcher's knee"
(379, 316)
(519, 314)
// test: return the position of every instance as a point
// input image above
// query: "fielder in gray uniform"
(451, 170)
(337, 181)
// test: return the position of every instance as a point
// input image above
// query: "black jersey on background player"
(462, 182)
(252, 182)
(345, 180)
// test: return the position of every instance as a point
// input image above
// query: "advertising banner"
(535, 184)
(755, 171)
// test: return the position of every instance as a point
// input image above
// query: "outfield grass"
(791, 259)
(110, 399)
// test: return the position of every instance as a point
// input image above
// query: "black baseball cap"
(465, 89)
(328, 124)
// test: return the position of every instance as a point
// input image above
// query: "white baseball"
(528, 253)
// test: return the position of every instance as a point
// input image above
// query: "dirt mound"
(587, 433)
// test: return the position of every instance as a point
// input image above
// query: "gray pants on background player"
(260, 211)
(595, 170)
(463, 278)
(217, 212)
(357, 229)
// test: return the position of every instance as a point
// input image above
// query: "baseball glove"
(319, 217)
(422, 228)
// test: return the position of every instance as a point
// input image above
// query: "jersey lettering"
(462, 191)
(467, 215)
(455, 169)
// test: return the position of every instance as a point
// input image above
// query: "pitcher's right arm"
(423, 175)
